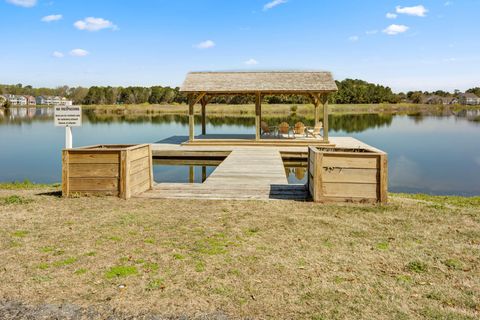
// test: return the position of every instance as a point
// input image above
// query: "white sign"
(68, 116)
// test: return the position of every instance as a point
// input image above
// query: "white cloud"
(52, 17)
(390, 15)
(419, 11)
(395, 29)
(94, 24)
(448, 3)
(354, 38)
(23, 3)
(58, 54)
(251, 62)
(207, 44)
(272, 4)
(370, 32)
(79, 53)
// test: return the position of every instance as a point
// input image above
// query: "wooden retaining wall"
(347, 176)
(118, 170)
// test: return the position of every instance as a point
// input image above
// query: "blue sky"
(403, 44)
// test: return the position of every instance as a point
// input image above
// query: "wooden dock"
(246, 174)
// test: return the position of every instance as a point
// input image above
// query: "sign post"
(68, 117)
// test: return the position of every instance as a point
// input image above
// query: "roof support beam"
(258, 115)
(204, 102)
(192, 101)
(324, 101)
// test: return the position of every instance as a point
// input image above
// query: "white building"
(53, 101)
(469, 99)
(16, 100)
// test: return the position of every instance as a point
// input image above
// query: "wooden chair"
(284, 128)
(266, 129)
(299, 128)
(315, 131)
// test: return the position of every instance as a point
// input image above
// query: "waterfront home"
(16, 100)
(436, 99)
(469, 99)
(31, 101)
(53, 101)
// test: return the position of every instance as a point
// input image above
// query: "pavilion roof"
(279, 82)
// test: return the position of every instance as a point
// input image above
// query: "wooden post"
(383, 179)
(191, 176)
(317, 112)
(150, 163)
(68, 138)
(258, 113)
(204, 173)
(324, 100)
(204, 124)
(191, 121)
(65, 174)
(192, 101)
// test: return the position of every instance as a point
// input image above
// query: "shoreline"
(269, 109)
(27, 185)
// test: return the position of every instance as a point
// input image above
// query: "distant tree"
(475, 91)
(415, 97)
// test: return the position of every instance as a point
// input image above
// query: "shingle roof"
(264, 82)
(469, 95)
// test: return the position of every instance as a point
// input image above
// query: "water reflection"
(296, 174)
(349, 123)
(181, 173)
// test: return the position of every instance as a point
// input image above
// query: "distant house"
(432, 99)
(16, 100)
(31, 101)
(468, 99)
(435, 99)
(53, 101)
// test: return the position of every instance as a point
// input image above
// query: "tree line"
(350, 91)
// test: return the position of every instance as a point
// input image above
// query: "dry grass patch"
(410, 259)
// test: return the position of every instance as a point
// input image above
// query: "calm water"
(430, 154)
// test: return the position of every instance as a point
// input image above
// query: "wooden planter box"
(119, 170)
(347, 176)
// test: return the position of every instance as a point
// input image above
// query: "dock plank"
(246, 174)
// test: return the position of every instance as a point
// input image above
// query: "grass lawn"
(274, 109)
(417, 257)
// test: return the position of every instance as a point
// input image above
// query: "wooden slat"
(139, 165)
(139, 188)
(93, 184)
(139, 177)
(150, 169)
(94, 170)
(347, 161)
(383, 180)
(350, 175)
(138, 153)
(350, 190)
(65, 173)
(103, 157)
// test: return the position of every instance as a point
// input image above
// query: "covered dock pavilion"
(201, 87)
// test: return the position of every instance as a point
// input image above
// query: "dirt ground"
(82, 258)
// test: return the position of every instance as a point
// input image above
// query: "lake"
(435, 154)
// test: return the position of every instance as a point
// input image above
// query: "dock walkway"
(247, 173)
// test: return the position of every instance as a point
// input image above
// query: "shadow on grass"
(57, 194)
